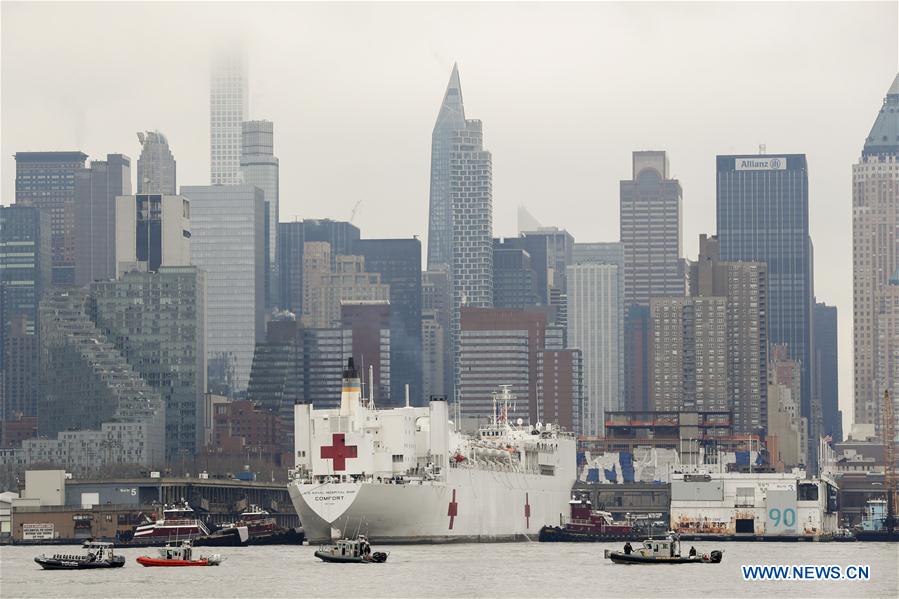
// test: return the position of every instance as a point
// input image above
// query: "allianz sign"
(775, 163)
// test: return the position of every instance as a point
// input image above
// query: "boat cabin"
(667, 547)
(351, 547)
(98, 550)
(177, 551)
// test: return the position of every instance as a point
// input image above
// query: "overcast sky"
(565, 91)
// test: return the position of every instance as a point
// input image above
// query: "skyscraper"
(514, 279)
(763, 217)
(25, 275)
(437, 355)
(827, 382)
(609, 252)
(398, 261)
(875, 261)
(87, 384)
(744, 286)
(227, 237)
(291, 238)
(156, 172)
(259, 167)
(151, 231)
(157, 321)
(96, 189)
(651, 230)
(228, 108)
(460, 225)
(500, 347)
(593, 328)
(688, 354)
(46, 180)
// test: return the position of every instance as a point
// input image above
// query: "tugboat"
(99, 555)
(179, 554)
(662, 551)
(263, 529)
(588, 524)
(178, 522)
(351, 551)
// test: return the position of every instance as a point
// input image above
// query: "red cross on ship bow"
(453, 510)
(339, 451)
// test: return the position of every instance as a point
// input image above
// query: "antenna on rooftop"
(763, 149)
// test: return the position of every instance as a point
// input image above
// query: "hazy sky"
(565, 91)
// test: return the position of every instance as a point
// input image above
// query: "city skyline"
(571, 195)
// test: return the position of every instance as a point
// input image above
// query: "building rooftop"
(884, 135)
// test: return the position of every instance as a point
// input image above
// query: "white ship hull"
(473, 505)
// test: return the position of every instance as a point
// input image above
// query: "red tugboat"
(587, 524)
(263, 529)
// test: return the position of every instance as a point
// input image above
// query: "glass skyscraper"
(460, 219)
(762, 203)
(227, 236)
(228, 107)
(46, 180)
(259, 167)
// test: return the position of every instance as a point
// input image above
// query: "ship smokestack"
(351, 391)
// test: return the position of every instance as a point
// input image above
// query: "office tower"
(593, 328)
(291, 238)
(437, 357)
(87, 385)
(763, 217)
(787, 437)
(369, 325)
(651, 229)
(327, 290)
(460, 218)
(227, 236)
(96, 189)
(552, 251)
(316, 271)
(744, 286)
(157, 321)
(398, 261)
(514, 279)
(875, 260)
(826, 385)
(688, 354)
(561, 387)
(637, 329)
(25, 277)
(609, 252)
(228, 108)
(500, 347)
(156, 172)
(325, 354)
(259, 167)
(151, 231)
(340, 235)
(46, 180)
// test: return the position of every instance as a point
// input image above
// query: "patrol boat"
(407, 475)
(662, 551)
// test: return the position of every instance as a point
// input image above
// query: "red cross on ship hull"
(453, 510)
(339, 451)
(527, 510)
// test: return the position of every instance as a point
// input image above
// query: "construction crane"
(888, 433)
(355, 208)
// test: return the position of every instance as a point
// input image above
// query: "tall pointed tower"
(450, 120)
(460, 228)
(875, 257)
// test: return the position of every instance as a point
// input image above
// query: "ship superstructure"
(406, 474)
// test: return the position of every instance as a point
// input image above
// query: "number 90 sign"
(785, 519)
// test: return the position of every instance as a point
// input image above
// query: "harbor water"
(458, 570)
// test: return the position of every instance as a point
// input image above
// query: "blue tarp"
(742, 458)
(611, 475)
(592, 475)
(627, 466)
